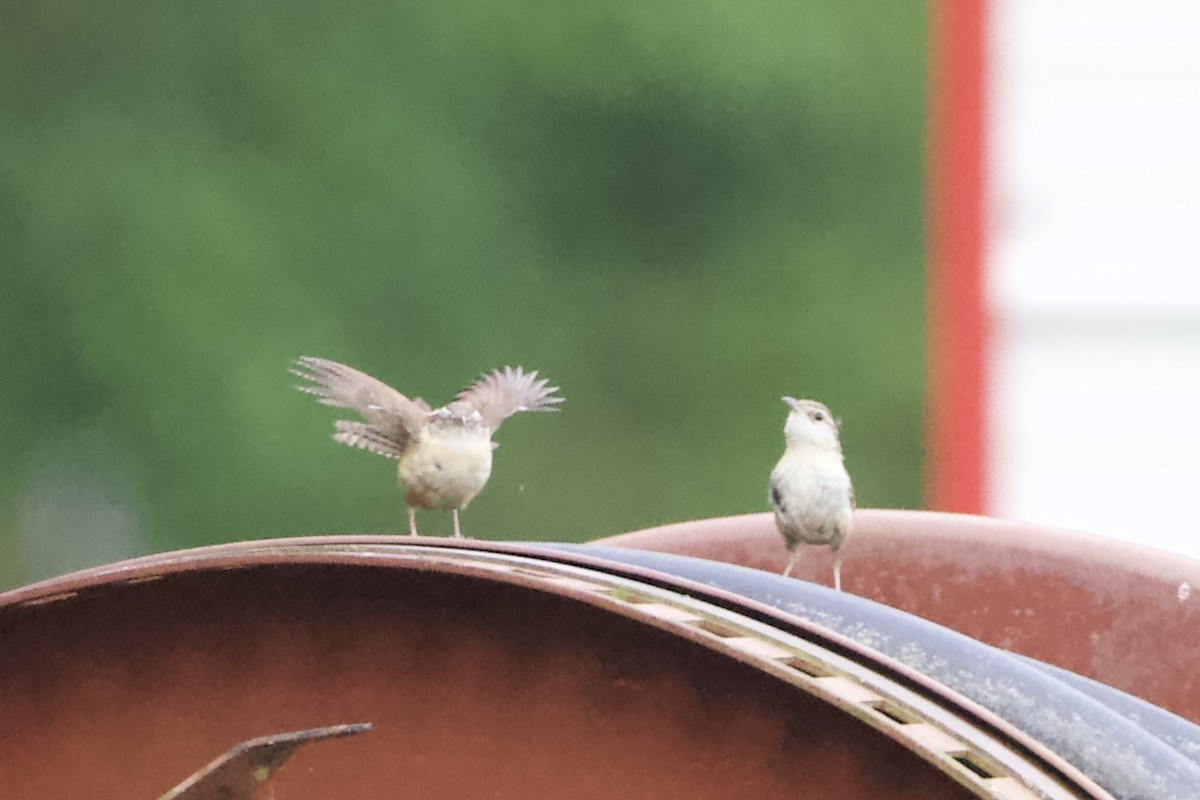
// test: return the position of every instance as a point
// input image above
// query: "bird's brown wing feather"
(501, 393)
(392, 417)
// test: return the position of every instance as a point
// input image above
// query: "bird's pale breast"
(445, 469)
(811, 501)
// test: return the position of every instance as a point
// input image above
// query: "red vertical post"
(956, 413)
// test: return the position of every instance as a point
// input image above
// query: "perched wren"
(445, 454)
(810, 490)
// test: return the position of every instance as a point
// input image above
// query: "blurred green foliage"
(676, 211)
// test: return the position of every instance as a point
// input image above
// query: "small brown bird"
(810, 490)
(445, 454)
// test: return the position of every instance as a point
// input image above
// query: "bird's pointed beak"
(792, 402)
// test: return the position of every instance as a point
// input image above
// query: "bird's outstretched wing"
(501, 393)
(391, 418)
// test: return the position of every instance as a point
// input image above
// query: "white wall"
(1094, 266)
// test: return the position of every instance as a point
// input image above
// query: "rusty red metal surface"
(122, 679)
(1117, 612)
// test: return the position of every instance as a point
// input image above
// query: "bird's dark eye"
(818, 416)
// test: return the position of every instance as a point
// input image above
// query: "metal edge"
(886, 695)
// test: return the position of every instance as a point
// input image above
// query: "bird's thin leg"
(837, 574)
(792, 562)
(457, 530)
(412, 522)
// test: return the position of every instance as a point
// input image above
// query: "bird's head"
(459, 415)
(809, 424)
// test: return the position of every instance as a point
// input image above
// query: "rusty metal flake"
(238, 773)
